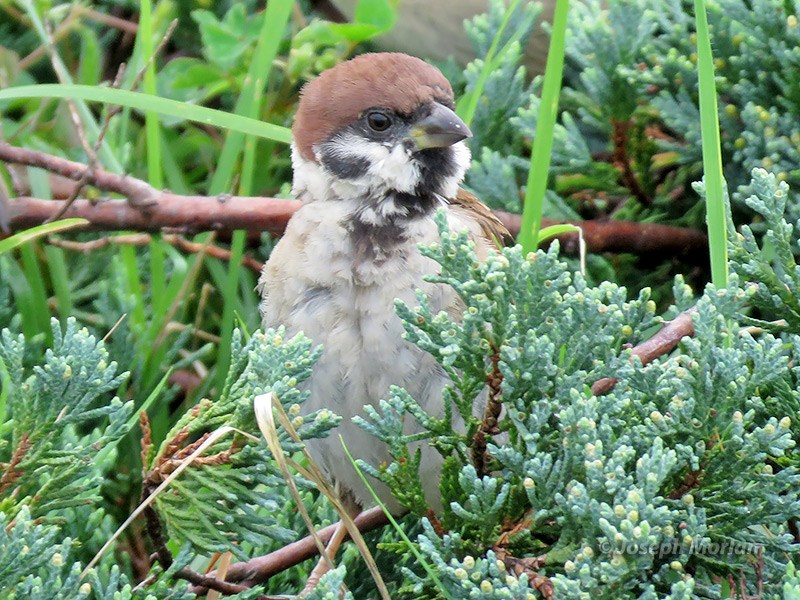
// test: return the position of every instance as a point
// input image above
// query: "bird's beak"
(441, 128)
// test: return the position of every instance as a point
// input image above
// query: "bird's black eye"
(378, 121)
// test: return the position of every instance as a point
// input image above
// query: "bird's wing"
(491, 227)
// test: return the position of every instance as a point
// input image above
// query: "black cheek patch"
(437, 164)
(344, 167)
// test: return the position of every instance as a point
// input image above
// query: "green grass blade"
(145, 102)
(248, 104)
(22, 237)
(60, 278)
(155, 173)
(555, 230)
(30, 265)
(712, 156)
(469, 103)
(274, 24)
(543, 142)
(107, 157)
(127, 255)
(429, 569)
(21, 291)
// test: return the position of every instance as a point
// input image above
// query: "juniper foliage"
(681, 479)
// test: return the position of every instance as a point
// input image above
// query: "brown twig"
(147, 440)
(110, 20)
(488, 426)
(50, 46)
(136, 190)
(691, 481)
(143, 239)
(12, 473)
(260, 569)
(111, 111)
(164, 556)
(658, 345)
(93, 156)
(619, 137)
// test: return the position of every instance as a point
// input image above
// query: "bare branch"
(658, 345)
(260, 569)
(227, 213)
(136, 190)
(143, 239)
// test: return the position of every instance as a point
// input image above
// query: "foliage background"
(701, 442)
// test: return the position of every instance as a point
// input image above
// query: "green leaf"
(90, 67)
(225, 41)
(22, 237)
(355, 32)
(380, 13)
(199, 114)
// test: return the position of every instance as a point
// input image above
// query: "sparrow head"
(380, 128)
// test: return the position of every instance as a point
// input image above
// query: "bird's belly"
(363, 355)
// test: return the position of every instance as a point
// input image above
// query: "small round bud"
(469, 562)
(486, 586)
(461, 573)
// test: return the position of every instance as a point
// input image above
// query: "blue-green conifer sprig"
(669, 459)
(217, 506)
(57, 424)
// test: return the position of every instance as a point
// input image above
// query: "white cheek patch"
(389, 167)
(309, 180)
(461, 157)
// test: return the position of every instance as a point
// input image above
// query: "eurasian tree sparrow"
(377, 150)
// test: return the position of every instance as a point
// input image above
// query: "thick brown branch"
(260, 569)
(658, 345)
(626, 236)
(187, 214)
(225, 213)
(191, 214)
